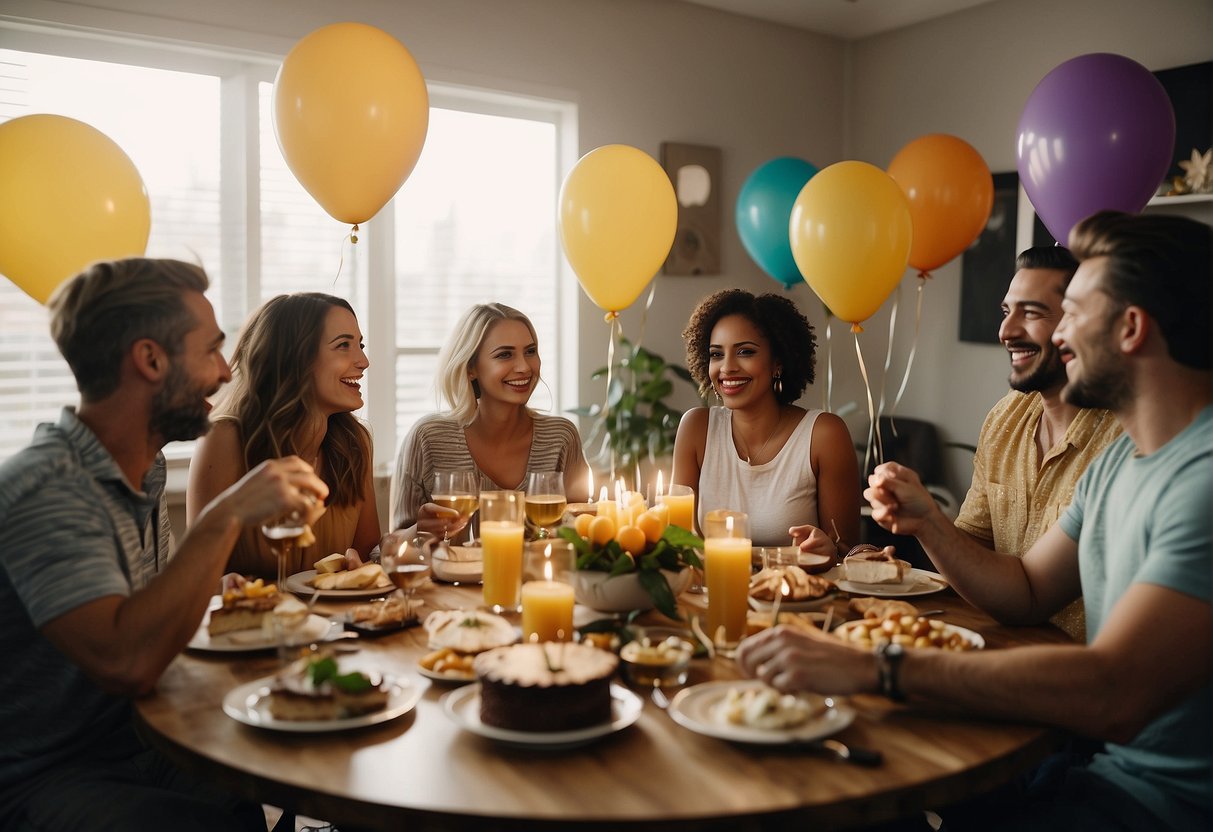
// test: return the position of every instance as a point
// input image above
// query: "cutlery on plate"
(848, 754)
(660, 699)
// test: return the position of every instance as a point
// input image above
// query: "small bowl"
(622, 593)
(656, 661)
(458, 564)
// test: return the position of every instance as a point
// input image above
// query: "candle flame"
(547, 570)
(784, 589)
(728, 525)
(589, 483)
(660, 490)
(602, 495)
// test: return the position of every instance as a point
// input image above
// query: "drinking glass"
(545, 500)
(547, 590)
(459, 490)
(283, 532)
(726, 556)
(407, 561)
(680, 499)
(501, 531)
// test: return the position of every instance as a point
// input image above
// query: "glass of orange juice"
(501, 534)
(726, 560)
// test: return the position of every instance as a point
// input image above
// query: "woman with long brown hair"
(296, 375)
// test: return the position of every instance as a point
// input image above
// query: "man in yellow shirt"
(1033, 446)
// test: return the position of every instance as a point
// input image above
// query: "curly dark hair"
(791, 335)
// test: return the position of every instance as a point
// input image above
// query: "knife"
(868, 757)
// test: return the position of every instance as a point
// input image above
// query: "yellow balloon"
(850, 232)
(68, 196)
(351, 112)
(618, 216)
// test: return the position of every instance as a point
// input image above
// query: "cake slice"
(865, 564)
(246, 608)
(316, 690)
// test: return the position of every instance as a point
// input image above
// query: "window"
(475, 222)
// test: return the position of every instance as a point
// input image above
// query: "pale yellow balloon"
(68, 196)
(351, 113)
(851, 232)
(618, 215)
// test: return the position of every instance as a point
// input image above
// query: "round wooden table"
(422, 771)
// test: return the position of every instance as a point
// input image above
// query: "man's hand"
(813, 540)
(900, 502)
(795, 660)
(275, 488)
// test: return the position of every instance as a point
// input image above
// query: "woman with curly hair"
(295, 384)
(793, 471)
(487, 371)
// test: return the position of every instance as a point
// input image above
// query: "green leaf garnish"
(321, 670)
(352, 682)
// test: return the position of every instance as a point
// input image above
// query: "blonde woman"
(792, 470)
(487, 371)
(296, 380)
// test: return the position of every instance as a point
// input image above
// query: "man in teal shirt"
(1137, 543)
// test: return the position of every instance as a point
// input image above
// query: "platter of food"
(447, 665)
(315, 628)
(915, 582)
(802, 592)
(909, 631)
(462, 705)
(751, 712)
(369, 581)
(243, 619)
(808, 561)
(303, 700)
(381, 616)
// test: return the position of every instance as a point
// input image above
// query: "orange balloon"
(950, 191)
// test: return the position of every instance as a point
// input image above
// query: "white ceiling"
(847, 19)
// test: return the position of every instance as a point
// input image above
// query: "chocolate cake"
(545, 687)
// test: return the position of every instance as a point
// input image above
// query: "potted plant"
(636, 424)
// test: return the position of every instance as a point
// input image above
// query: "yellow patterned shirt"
(1015, 497)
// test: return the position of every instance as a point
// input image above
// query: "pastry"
(865, 564)
(245, 608)
(316, 689)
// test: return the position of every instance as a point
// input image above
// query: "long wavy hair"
(459, 353)
(272, 390)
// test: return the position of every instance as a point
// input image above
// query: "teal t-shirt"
(1148, 520)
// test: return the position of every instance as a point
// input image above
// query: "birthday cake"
(545, 687)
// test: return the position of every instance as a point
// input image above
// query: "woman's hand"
(352, 559)
(813, 540)
(231, 581)
(440, 521)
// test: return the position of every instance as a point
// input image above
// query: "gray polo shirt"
(72, 530)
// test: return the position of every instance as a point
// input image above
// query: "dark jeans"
(131, 790)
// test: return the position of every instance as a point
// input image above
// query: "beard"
(179, 411)
(1048, 373)
(1103, 384)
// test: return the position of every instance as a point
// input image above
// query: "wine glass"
(545, 500)
(284, 531)
(407, 561)
(459, 490)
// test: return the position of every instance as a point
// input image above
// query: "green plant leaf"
(658, 589)
(680, 537)
(623, 565)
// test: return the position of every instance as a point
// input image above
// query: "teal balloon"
(764, 211)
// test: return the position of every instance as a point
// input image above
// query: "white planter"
(622, 593)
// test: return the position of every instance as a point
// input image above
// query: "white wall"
(970, 74)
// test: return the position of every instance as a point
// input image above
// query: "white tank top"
(776, 495)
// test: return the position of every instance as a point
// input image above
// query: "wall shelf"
(1181, 199)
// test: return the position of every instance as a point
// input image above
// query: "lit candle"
(547, 607)
(657, 494)
(681, 501)
(606, 507)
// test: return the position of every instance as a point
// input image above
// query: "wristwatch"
(888, 665)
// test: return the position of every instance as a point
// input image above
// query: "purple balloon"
(1097, 133)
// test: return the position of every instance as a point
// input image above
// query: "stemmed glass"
(545, 500)
(407, 561)
(284, 531)
(459, 490)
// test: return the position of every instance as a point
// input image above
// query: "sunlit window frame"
(241, 72)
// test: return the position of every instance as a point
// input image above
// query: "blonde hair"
(459, 353)
(272, 389)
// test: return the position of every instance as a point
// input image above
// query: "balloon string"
(352, 237)
(644, 313)
(616, 329)
(888, 361)
(922, 283)
(863, 370)
(829, 391)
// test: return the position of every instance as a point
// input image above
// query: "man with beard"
(1136, 542)
(95, 601)
(1033, 445)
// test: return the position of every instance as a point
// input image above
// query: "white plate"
(316, 628)
(249, 703)
(975, 639)
(298, 584)
(918, 582)
(695, 708)
(793, 606)
(808, 561)
(462, 705)
(450, 679)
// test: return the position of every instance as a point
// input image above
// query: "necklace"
(748, 457)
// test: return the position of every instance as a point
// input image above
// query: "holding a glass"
(545, 501)
(457, 490)
(726, 555)
(501, 533)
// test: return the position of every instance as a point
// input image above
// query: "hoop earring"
(475, 388)
(777, 384)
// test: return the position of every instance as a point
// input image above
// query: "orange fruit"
(631, 540)
(602, 529)
(582, 524)
(653, 523)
